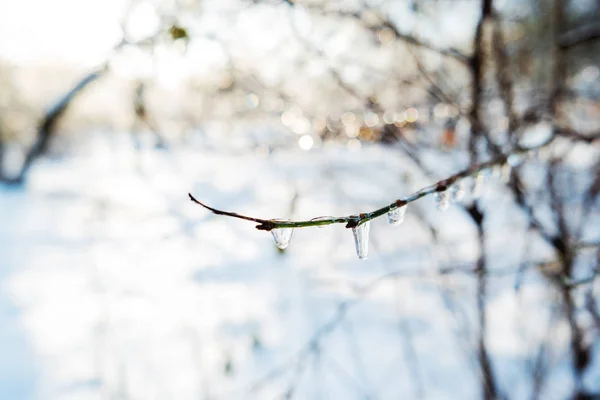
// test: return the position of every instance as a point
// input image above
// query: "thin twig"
(353, 221)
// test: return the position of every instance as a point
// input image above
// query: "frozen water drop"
(361, 239)
(282, 237)
(458, 191)
(442, 200)
(396, 216)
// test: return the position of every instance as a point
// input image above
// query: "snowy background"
(113, 285)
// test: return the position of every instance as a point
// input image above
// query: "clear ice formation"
(361, 239)
(396, 216)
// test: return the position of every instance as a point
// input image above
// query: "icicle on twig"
(282, 237)
(396, 216)
(361, 239)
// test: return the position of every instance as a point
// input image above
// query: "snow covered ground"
(114, 285)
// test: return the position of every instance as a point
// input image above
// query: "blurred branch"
(579, 35)
(49, 122)
(504, 77)
(57, 110)
(489, 388)
(559, 216)
(587, 245)
(387, 23)
(313, 345)
(559, 69)
(580, 354)
(315, 50)
(140, 106)
(477, 68)
(409, 39)
(592, 307)
(587, 280)
(577, 136)
(436, 91)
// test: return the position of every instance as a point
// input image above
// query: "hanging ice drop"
(361, 239)
(282, 237)
(396, 216)
(442, 200)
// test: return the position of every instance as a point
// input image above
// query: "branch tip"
(193, 199)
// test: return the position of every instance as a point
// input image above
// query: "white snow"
(113, 284)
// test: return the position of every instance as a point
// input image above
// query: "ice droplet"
(282, 237)
(396, 216)
(361, 239)
(458, 191)
(442, 200)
